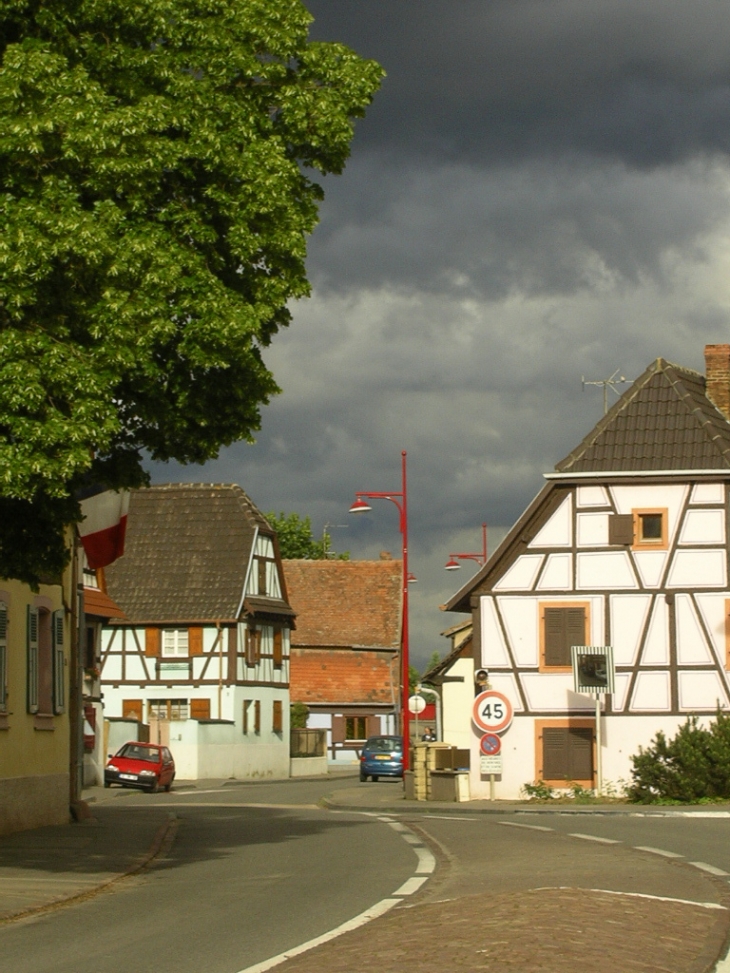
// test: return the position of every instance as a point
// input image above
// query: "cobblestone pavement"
(538, 931)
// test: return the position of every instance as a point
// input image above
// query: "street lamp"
(400, 500)
(481, 558)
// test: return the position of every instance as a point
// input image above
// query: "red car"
(146, 765)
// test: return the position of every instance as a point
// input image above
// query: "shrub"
(693, 766)
(298, 714)
(540, 791)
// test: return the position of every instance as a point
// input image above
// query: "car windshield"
(383, 744)
(134, 752)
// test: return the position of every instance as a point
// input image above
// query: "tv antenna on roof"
(608, 383)
(327, 537)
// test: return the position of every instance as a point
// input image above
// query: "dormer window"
(650, 528)
(264, 577)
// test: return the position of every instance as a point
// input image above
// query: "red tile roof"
(343, 676)
(346, 603)
(101, 605)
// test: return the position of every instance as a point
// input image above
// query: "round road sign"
(416, 704)
(492, 712)
(490, 745)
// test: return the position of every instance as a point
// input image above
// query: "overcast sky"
(540, 192)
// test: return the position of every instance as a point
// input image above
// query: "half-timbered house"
(626, 545)
(346, 647)
(202, 654)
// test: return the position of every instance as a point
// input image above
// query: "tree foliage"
(156, 165)
(296, 540)
(694, 765)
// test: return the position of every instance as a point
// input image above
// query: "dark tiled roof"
(663, 422)
(186, 554)
(341, 603)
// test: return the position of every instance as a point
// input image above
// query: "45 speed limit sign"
(492, 712)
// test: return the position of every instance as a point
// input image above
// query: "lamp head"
(452, 565)
(411, 579)
(360, 507)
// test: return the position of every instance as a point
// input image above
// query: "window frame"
(176, 654)
(277, 716)
(650, 544)
(355, 719)
(574, 723)
(542, 605)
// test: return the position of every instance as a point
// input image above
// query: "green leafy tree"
(693, 766)
(296, 539)
(157, 161)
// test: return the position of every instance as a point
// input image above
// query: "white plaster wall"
(708, 493)
(505, 683)
(692, 649)
(601, 571)
(703, 527)
(592, 530)
(457, 699)
(650, 565)
(651, 692)
(702, 691)
(550, 691)
(628, 616)
(656, 646)
(520, 621)
(494, 651)
(621, 738)
(557, 575)
(712, 608)
(521, 576)
(557, 532)
(698, 569)
(592, 496)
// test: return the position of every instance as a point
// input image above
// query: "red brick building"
(346, 647)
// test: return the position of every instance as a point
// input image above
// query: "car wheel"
(107, 784)
(168, 785)
(374, 779)
(155, 787)
(363, 778)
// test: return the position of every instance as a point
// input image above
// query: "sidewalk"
(45, 867)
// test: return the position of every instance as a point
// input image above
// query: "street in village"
(238, 875)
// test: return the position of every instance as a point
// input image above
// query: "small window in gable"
(650, 529)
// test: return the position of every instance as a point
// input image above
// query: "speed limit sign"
(492, 712)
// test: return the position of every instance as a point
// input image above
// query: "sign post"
(594, 674)
(416, 705)
(492, 713)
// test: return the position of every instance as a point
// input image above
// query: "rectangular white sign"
(490, 765)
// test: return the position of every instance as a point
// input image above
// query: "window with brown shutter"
(257, 716)
(278, 648)
(200, 709)
(195, 641)
(246, 716)
(565, 753)
(561, 626)
(253, 646)
(621, 529)
(277, 716)
(338, 729)
(152, 641)
(651, 528)
(262, 576)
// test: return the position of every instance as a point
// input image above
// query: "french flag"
(104, 524)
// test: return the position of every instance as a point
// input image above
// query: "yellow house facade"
(35, 664)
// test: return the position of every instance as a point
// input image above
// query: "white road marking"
(593, 837)
(379, 909)
(634, 895)
(426, 865)
(448, 817)
(658, 851)
(700, 814)
(711, 869)
(411, 885)
(530, 827)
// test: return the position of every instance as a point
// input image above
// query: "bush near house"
(298, 715)
(692, 766)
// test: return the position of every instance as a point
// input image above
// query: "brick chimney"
(717, 382)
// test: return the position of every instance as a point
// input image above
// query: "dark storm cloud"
(640, 81)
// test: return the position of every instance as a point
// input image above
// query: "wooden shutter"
(257, 716)
(250, 646)
(277, 716)
(563, 627)
(152, 641)
(278, 648)
(32, 661)
(555, 753)
(3, 657)
(575, 629)
(262, 576)
(580, 753)
(246, 708)
(232, 654)
(200, 709)
(372, 726)
(132, 709)
(195, 641)
(338, 729)
(59, 699)
(621, 529)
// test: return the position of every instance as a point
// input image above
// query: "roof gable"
(665, 421)
(187, 552)
(346, 603)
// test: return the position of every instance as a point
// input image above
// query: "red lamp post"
(481, 558)
(401, 502)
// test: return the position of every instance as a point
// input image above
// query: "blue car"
(382, 757)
